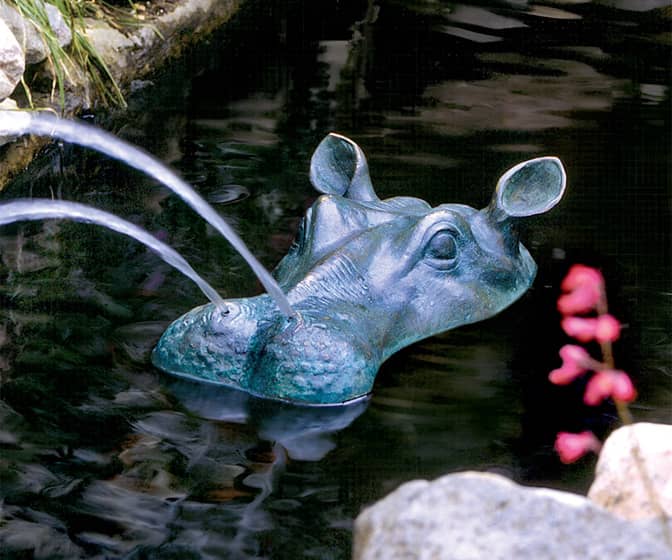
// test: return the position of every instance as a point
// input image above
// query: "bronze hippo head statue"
(365, 277)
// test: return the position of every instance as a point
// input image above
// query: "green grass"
(79, 61)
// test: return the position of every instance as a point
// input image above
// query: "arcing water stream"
(40, 209)
(15, 123)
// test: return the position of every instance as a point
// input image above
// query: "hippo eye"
(441, 250)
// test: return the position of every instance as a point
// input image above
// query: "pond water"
(103, 457)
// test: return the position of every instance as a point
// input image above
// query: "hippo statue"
(365, 277)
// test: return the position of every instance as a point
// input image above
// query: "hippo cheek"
(467, 295)
(336, 365)
(428, 308)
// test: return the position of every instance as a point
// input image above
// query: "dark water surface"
(102, 458)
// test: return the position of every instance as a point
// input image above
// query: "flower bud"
(608, 329)
(580, 300)
(580, 328)
(571, 447)
(609, 383)
(582, 275)
(575, 362)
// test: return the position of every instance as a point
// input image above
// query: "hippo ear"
(339, 167)
(529, 188)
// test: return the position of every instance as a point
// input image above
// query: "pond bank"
(470, 514)
(129, 56)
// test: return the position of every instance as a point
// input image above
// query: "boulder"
(12, 62)
(58, 25)
(147, 47)
(471, 516)
(619, 485)
(29, 37)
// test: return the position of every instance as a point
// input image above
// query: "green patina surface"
(365, 278)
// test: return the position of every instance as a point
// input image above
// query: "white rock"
(7, 105)
(474, 516)
(619, 486)
(27, 34)
(12, 62)
(58, 25)
(110, 44)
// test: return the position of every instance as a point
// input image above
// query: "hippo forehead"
(333, 221)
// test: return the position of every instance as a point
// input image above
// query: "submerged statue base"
(365, 277)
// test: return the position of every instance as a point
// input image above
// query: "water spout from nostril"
(16, 123)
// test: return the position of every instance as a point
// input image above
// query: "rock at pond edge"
(471, 516)
(618, 484)
(12, 62)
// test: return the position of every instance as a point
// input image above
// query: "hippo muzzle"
(365, 278)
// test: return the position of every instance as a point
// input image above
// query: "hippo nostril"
(499, 277)
(503, 278)
(512, 273)
(232, 310)
(218, 320)
(294, 323)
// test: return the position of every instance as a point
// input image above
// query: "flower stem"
(607, 354)
(659, 511)
(623, 412)
(603, 309)
(626, 419)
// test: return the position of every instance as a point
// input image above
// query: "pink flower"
(608, 329)
(604, 328)
(584, 286)
(580, 300)
(609, 383)
(598, 388)
(575, 362)
(580, 328)
(584, 293)
(623, 390)
(571, 447)
(582, 275)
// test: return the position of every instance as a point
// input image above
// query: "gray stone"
(133, 55)
(29, 37)
(26, 34)
(58, 25)
(110, 44)
(12, 63)
(8, 104)
(619, 486)
(473, 516)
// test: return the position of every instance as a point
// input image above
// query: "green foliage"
(79, 61)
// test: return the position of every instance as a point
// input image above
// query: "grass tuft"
(79, 61)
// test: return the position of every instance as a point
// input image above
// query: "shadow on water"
(103, 458)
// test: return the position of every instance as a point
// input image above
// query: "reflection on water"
(103, 458)
(303, 431)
